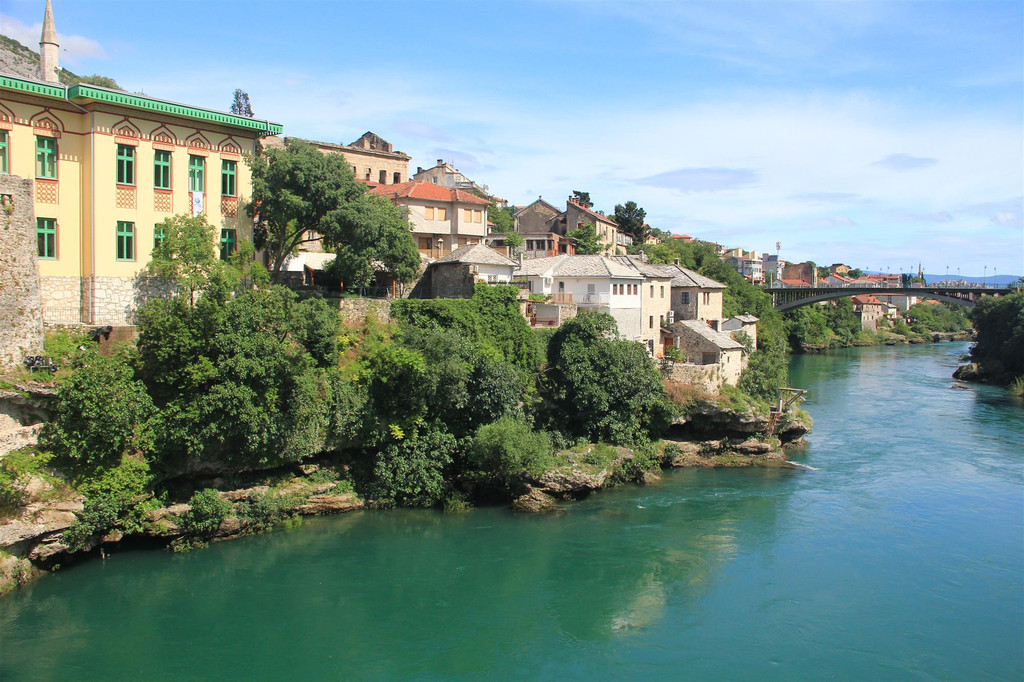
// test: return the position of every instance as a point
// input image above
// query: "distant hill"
(21, 61)
(996, 280)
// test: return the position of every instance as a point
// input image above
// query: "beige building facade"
(109, 166)
(441, 219)
(372, 158)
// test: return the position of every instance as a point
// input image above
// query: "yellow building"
(108, 167)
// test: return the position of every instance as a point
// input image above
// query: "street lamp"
(440, 247)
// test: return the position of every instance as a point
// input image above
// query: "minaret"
(49, 51)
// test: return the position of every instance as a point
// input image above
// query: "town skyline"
(877, 134)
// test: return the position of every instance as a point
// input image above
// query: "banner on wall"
(197, 203)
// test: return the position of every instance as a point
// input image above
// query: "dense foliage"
(999, 350)
(301, 195)
(604, 389)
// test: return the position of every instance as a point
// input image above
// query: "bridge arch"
(792, 298)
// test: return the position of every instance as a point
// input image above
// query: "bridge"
(788, 298)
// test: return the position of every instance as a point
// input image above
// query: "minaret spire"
(49, 50)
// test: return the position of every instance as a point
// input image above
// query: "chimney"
(440, 162)
(49, 50)
(520, 259)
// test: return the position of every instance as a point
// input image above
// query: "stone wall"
(62, 299)
(21, 318)
(99, 300)
(708, 377)
(354, 310)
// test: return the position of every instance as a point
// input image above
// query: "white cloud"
(73, 49)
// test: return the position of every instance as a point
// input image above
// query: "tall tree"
(631, 219)
(240, 106)
(586, 240)
(582, 197)
(301, 195)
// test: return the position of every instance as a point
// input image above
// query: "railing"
(594, 299)
(561, 299)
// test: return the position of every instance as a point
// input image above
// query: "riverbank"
(39, 532)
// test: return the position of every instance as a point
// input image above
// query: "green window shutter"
(125, 240)
(227, 243)
(162, 169)
(46, 157)
(3, 152)
(228, 174)
(125, 164)
(46, 237)
(196, 169)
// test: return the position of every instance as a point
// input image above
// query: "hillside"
(18, 60)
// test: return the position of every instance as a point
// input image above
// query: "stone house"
(455, 275)
(804, 272)
(442, 219)
(655, 302)
(373, 159)
(869, 309)
(594, 283)
(712, 358)
(545, 228)
(746, 324)
(108, 167)
(446, 175)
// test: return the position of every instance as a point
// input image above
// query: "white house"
(595, 283)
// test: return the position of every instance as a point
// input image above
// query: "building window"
(228, 174)
(159, 234)
(125, 240)
(429, 212)
(478, 216)
(3, 152)
(162, 169)
(663, 291)
(227, 243)
(652, 291)
(442, 214)
(468, 214)
(398, 178)
(46, 237)
(383, 177)
(125, 164)
(196, 173)
(684, 298)
(650, 324)
(46, 157)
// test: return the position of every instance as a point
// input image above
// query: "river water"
(899, 557)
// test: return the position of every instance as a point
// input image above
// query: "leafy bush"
(604, 389)
(408, 471)
(508, 449)
(15, 469)
(999, 350)
(644, 460)
(101, 413)
(207, 511)
(766, 371)
(115, 498)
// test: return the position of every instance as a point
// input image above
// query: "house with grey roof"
(455, 275)
(710, 358)
(742, 324)
(595, 283)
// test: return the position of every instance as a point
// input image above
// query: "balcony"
(594, 299)
(561, 298)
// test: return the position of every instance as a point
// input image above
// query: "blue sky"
(876, 134)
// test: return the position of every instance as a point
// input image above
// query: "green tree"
(631, 220)
(582, 197)
(101, 413)
(240, 104)
(185, 254)
(604, 389)
(508, 449)
(502, 218)
(999, 350)
(301, 195)
(586, 240)
(409, 470)
(369, 232)
(515, 241)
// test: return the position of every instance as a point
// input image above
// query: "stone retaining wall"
(21, 318)
(356, 309)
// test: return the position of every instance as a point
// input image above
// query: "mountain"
(994, 280)
(21, 61)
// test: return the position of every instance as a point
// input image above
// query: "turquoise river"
(898, 556)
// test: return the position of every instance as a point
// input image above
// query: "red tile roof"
(427, 190)
(794, 283)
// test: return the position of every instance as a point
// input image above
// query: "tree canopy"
(240, 104)
(586, 240)
(631, 219)
(302, 195)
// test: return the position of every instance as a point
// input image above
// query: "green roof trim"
(33, 87)
(97, 94)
